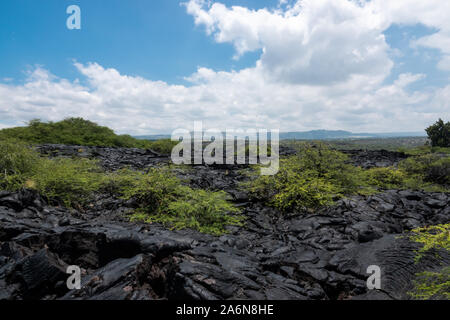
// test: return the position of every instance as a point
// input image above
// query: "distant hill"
(154, 137)
(319, 135)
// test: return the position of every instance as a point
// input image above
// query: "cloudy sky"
(145, 67)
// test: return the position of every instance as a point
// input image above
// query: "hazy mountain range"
(319, 135)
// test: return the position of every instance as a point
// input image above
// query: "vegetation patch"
(428, 284)
(432, 285)
(429, 172)
(71, 182)
(311, 179)
(161, 197)
(17, 163)
(77, 131)
(385, 178)
(432, 238)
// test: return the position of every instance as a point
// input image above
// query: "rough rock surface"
(110, 158)
(374, 158)
(299, 256)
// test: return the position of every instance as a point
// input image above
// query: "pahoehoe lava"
(323, 255)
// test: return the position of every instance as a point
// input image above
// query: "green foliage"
(163, 146)
(159, 194)
(424, 150)
(153, 190)
(430, 168)
(439, 134)
(385, 178)
(434, 237)
(304, 192)
(307, 181)
(429, 172)
(250, 148)
(162, 198)
(202, 210)
(391, 144)
(439, 171)
(68, 181)
(71, 131)
(432, 285)
(77, 131)
(17, 163)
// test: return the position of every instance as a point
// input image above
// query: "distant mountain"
(153, 137)
(319, 135)
(316, 134)
(340, 134)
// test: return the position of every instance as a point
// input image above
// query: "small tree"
(439, 134)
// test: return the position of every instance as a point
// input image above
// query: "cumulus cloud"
(430, 13)
(222, 100)
(311, 42)
(323, 64)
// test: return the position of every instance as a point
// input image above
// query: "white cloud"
(222, 99)
(323, 65)
(312, 42)
(431, 13)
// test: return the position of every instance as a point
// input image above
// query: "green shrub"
(17, 163)
(71, 131)
(423, 150)
(432, 285)
(434, 237)
(71, 182)
(417, 165)
(153, 190)
(202, 210)
(163, 146)
(439, 171)
(431, 168)
(309, 180)
(385, 178)
(303, 192)
(162, 198)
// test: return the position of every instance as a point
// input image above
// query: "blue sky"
(241, 57)
(154, 39)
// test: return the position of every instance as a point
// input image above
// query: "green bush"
(17, 163)
(385, 178)
(434, 237)
(65, 181)
(423, 150)
(162, 198)
(153, 190)
(163, 146)
(309, 180)
(71, 182)
(432, 285)
(71, 131)
(430, 168)
(439, 172)
(202, 210)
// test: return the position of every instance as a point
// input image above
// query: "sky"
(149, 67)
